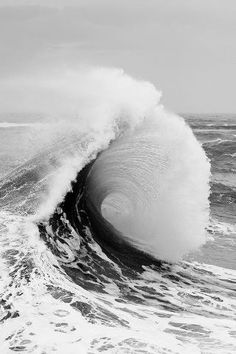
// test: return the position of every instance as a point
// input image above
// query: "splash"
(150, 180)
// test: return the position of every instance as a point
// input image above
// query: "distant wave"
(99, 219)
(13, 125)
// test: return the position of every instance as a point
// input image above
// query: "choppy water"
(61, 291)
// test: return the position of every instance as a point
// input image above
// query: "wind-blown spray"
(150, 180)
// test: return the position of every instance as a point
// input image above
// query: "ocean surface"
(73, 279)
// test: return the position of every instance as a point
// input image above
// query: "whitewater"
(117, 230)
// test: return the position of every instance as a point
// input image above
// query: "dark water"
(217, 134)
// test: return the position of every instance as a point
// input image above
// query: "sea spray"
(151, 179)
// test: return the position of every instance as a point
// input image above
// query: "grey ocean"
(66, 287)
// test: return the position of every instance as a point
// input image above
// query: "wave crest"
(149, 183)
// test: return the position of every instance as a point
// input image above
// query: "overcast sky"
(187, 48)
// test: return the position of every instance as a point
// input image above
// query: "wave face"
(108, 221)
(151, 185)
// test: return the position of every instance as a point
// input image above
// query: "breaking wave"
(110, 193)
(147, 187)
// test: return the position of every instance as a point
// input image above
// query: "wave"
(117, 190)
(148, 185)
(13, 125)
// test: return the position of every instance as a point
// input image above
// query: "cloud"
(185, 47)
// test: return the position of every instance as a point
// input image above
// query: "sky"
(186, 48)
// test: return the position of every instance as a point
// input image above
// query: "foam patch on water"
(187, 308)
